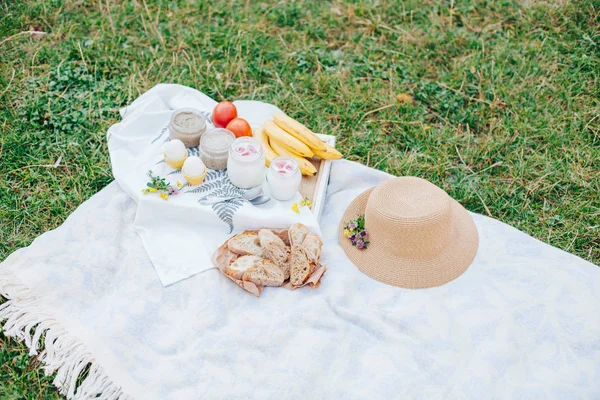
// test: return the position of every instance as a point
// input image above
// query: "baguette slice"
(312, 244)
(300, 268)
(264, 273)
(267, 236)
(245, 243)
(238, 268)
(274, 249)
(278, 255)
(297, 233)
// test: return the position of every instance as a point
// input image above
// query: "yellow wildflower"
(152, 190)
(145, 191)
(295, 208)
(403, 98)
(347, 233)
(179, 184)
(164, 196)
(305, 202)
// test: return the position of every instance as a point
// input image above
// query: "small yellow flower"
(145, 191)
(403, 98)
(179, 184)
(152, 190)
(164, 196)
(347, 233)
(305, 202)
(295, 208)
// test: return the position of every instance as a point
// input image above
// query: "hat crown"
(410, 217)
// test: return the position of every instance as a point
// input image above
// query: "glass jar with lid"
(284, 178)
(187, 125)
(214, 148)
(246, 163)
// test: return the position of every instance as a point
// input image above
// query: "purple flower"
(360, 244)
(352, 226)
(352, 237)
(363, 234)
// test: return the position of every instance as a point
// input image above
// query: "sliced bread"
(300, 267)
(278, 255)
(238, 268)
(264, 273)
(267, 236)
(312, 244)
(274, 249)
(297, 233)
(245, 243)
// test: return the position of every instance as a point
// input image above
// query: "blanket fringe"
(62, 353)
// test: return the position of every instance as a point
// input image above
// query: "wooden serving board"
(315, 187)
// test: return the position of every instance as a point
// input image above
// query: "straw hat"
(419, 236)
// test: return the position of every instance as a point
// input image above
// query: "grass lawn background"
(499, 102)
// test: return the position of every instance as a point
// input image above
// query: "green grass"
(504, 109)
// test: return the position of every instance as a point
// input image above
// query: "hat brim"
(377, 263)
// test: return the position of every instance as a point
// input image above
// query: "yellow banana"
(330, 154)
(306, 166)
(291, 143)
(259, 134)
(299, 131)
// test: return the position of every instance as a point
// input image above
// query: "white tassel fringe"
(62, 353)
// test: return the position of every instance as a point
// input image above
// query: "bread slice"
(267, 236)
(278, 255)
(312, 244)
(274, 249)
(238, 268)
(300, 267)
(297, 233)
(264, 273)
(245, 243)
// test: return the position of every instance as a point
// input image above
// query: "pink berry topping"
(284, 167)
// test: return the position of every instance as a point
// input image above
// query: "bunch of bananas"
(284, 136)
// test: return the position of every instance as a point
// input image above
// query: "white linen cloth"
(522, 322)
(180, 234)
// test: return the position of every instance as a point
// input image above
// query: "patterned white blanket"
(522, 322)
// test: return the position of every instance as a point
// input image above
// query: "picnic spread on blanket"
(237, 255)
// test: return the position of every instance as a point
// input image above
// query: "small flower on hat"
(356, 232)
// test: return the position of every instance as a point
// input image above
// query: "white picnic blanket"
(180, 234)
(522, 322)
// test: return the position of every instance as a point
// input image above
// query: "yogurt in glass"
(284, 178)
(246, 163)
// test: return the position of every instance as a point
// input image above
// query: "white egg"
(175, 149)
(193, 166)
